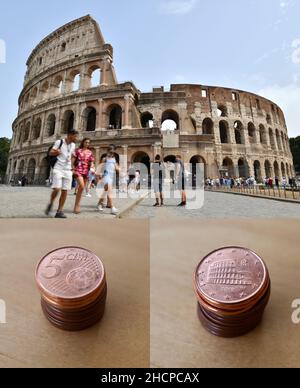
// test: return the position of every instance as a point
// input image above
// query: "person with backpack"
(158, 174)
(60, 158)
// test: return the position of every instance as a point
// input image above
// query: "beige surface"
(120, 340)
(177, 337)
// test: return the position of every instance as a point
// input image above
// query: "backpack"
(53, 159)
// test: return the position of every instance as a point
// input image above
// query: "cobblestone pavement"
(31, 202)
(219, 206)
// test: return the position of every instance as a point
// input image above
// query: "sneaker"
(156, 205)
(182, 204)
(100, 208)
(60, 215)
(114, 211)
(88, 196)
(49, 209)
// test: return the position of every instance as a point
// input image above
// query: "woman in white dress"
(106, 173)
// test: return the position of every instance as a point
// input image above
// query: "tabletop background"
(122, 337)
(177, 337)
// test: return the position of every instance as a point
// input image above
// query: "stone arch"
(21, 167)
(75, 78)
(208, 126)
(90, 119)
(68, 121)
(44, 90)
(224, 132)
(243, 168)
(222, 111)
(170, 159)
(26, 100)
(50, 125)
(263, 135)
(268, 169)
(272, 139)
(142, 158)
(170, 120)
(257, 171)
(194, 161)
(37, 127)
(95, 76)
(283, 171)
(147, 120)
(239, 132)
(251, 132)
(27, 131)
(269, 119)
(57, 85)
(33, 95)
(228, 166)
(44, 170)
(276, 169)
(31, 170)
(20, 133)
(282, 139)
(279, 145)
(115, 116)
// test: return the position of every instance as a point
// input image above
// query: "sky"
(252, 45)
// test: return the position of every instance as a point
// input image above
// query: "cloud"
(287, 97)
(177, 7)
(296, 53)
(284, 9)
(284, 4)
(266, 56)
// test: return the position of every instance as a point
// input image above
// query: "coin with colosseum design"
(230, 275)
(70, 273)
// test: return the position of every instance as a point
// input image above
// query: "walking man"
(61, 159)
(180, 179)
(158, 174)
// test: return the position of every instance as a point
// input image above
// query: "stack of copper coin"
(73, 288)
(233, 289)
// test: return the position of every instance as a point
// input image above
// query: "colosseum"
(71, 82)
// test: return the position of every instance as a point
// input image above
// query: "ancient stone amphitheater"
(71, 82)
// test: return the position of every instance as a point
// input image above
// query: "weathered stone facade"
(71, 82)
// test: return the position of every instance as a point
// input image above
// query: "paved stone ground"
(219, 206)
(31, 202)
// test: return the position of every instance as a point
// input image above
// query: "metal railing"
(16, 180)
(260, 190)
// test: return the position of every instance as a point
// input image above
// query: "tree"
(4, 151)
(295, 148)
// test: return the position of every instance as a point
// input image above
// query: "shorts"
(77, 175)
(62, 180)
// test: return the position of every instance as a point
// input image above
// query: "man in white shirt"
(63, 151)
